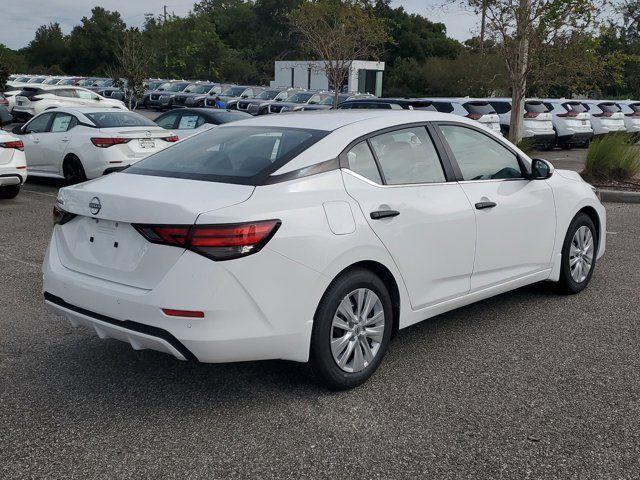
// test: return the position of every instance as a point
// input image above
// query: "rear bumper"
(577, 137)
(9, 179)
(248, 315)
(541, 138)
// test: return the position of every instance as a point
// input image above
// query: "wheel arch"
(389, 281)
(595, 218)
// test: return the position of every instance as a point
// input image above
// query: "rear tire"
(351, 330)
(10, 191)
(73, 170)
(579, 252)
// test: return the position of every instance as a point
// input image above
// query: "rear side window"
(66, 92)
(189, 122)
(362, 162)
(243, 155)
(479, 156)
(119, 119)
(501, 107)
(479, 108)
(443, 107)
(167, 121)
(408, 156)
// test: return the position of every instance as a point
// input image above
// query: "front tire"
(351, 330)
(579, 252)
(9, 192)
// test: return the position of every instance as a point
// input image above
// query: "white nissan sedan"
(314, 237)
(84, 143)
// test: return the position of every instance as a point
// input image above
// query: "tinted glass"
(229, 154)
(535, 107)
(479, 108)
(119, 119)
(443, 107)
(635, 107)
(86, 95)
(609, 107)
(576, 107)
(202, 88)
(66, 92)
(226, 117)
(267, 94)
(408, 156)
(329, 99)
(233, 91)
(176, 87)
(362, 162)
(63, 122)
(501, 107)
(167, 120)
(300, 97)
(479, 156)
(38, 124)
(68, 81)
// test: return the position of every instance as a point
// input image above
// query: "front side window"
(361, 161)
(479, 156)
(40, 124)
(229, 154)
(84, 95)
(63, 123)
(408, 156)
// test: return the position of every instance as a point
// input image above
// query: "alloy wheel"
(581, 254)
(357, 330)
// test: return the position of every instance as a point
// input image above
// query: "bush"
(612, 157)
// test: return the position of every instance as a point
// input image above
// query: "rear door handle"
(483, 205)
(378, 214)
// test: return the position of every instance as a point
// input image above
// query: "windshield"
(68, 81)
(176, 87)
(268, 94)
(229, 154)
(37, 80)
(191, 88)
(52, 81)
(329, 99)
(85, 82)
(103, 83)
(201, 88)
(119, 119)
(300, 97)
(233, 91)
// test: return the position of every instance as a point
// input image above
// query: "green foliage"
(527, 145)
(612, 157)
(49, 47)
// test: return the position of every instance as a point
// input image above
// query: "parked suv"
(327, 102)
(571, 121)
(479, 110)
(198, 99)
(631, 111)
(259, 105)
(180, 99)
(231, 95)
(163, 97)
(606, 116)
(536, 125)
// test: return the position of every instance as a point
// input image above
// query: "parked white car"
(13, 166)
(32, 101)
(476, 109)
(314, 236)
(631, 111)
(571, 121)
(536, 124)
(606, 116)
(83, 143)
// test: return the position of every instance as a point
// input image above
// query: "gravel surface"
(525, 385)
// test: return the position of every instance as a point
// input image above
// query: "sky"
(17, 28)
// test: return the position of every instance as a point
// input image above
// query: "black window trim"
(49, 122)
(445, 163)
(458, 172)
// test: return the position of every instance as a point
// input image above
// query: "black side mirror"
(17, 130)
(541, 169)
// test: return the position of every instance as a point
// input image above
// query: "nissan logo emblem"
(95, 205)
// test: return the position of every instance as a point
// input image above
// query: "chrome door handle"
(378, 214)
(483, 205)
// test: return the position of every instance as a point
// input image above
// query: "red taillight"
(474, 116)
(172, 138)
(604, 114)
(531, 114)
(183, 313)
(218, 242)
(17, 144)
(570, 113)
(104, 142)
(60, 217)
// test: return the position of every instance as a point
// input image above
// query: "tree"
(95, 42)
(336, 32)
(525, 28)
(133, 66)
(49, 47)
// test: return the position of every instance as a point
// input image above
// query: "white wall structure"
(364, 76)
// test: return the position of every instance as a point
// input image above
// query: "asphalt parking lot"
(524, 385)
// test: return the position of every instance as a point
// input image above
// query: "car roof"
(329, 120)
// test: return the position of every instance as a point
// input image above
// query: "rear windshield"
(231, 154)
(119, 119)
(229, 116)
(635, 107)
(234, 91)
(535, 107)
(421, 105)
(268, 94)
(443, 107)
(479, 108)
(609, 107)
(576, 107)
